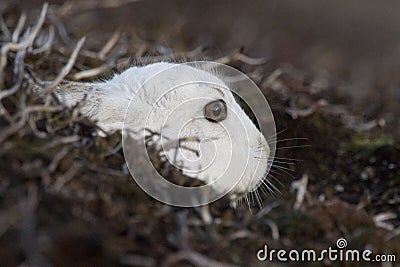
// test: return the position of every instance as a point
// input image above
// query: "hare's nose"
(261, 140)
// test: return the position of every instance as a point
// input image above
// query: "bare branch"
(294, 112)
(57, 158)
(19, 70)
(239, 56)
(93, 72)
(63, 141)
(46, 47)
(382, 220)
(109, 45)
(24, 44)
(301, 187)
(60, 28)
(12, 129)
(67, 68)
(18, 28)
(73, 7)
(66, 177)
(4, 28)
(32, 123)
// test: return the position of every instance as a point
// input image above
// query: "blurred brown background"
(353, 40)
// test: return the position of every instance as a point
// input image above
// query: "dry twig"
(23, 45)
(57, 158)
(109, 45)
(62, 32)
(19, 70)
(4, 29)
(46, 47)
(73, 7)
(67, 68)
(301, 187)
(239, 56)
(18, 28)
(90, 73)
(63, 141)
(66, 177)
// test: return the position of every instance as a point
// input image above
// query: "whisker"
(288, 158)
(277, 134)
(245, 198)
(263, 189)
(251, 198)
(289, 139)
(270, 186)
(281, 167)
(275, 179)
(276, 161)
(260, 150)
(267, 186)
(282, 162)
(276, 172)
(296, 146)
(287, 173)
(259, 157)
(259, 200)
(248, 202)
(261, 146)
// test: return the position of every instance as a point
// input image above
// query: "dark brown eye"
(215, 111)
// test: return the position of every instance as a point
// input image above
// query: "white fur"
(179, 114)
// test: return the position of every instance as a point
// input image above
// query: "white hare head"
(218, 142)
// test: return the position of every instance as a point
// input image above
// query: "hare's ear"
(71, 93)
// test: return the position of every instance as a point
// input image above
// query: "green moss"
(366, 143)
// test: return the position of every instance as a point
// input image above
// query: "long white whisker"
(289, 139)
(248, 202)
(267, 186)
(292, 159)
(270, 186)
(287, 173)
(258, 199)
(281, 167)
(275, 179)
(282, 162)
(277, 133)
(295, 146)
(276, 161)
(263, 189)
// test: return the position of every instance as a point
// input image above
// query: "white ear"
(72, 93)
(106, 107)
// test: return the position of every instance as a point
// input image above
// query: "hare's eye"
(215, 111)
